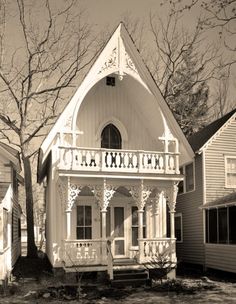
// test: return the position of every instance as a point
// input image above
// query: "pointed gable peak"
(117, 56)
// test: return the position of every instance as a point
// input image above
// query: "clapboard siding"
(16, 242)
(222, 257)
(133, 109)
(224, 144)
(191, 250)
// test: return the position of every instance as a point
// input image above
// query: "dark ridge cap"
(198, 139)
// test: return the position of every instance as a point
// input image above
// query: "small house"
(111, 168)
(206, 203)
(10, 211)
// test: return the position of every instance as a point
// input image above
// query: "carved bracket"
(103, 193)
(129, 63)
(171, 195)
(110, 62)
(140, 194)
(74, 191)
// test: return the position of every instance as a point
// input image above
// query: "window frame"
(179, 215)
(226, 171)
(183, 168)
(228, 227)
(136, 226)
(84, 226)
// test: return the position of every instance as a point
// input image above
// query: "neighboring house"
(111, 164)
(10, 211)
(206, 203)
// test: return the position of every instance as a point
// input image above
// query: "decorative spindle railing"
(157, 250)
(85, 252)
(87, 159)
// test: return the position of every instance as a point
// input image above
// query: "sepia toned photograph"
(117, 151)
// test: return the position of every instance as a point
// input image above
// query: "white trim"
(226, 172)
(179, 214)
(184, 180)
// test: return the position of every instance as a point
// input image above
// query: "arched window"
(111, 138)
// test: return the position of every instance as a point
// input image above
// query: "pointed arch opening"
(111, 137)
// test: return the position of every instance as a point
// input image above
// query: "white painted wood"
(220, 256)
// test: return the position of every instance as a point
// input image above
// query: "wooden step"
(130, 278)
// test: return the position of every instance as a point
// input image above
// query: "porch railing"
(118, 160)
(159, 251)
(85, 252)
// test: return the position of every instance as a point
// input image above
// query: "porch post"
(140, 223)
(103, 193)
(156, 206)
(172, 224)
(140, 195)
(68, 224)
(171, 201)
(104, 214)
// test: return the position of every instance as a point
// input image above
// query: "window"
(110, 81)
(111, 138)
(178, 227)
(232, 225)
(84, 222)
(135, 225)
(221, 225)
(230, 172)
(187, 184)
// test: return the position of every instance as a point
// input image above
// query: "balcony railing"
(86, 159)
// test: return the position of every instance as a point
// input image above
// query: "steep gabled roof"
(11, 154)
(118, 56)
(202, 137)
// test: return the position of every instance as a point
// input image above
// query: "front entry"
(116, 228)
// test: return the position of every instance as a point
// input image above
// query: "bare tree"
(182, 67)
(221, 99)
(52, 47)
(216, 14)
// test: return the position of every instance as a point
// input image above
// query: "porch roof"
(227, 200)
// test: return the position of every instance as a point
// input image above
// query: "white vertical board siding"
(222, 257)
(133, 107)
(191, 250)
(223, 145)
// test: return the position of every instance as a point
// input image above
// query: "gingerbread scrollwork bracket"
(171, 196)
(140, 194)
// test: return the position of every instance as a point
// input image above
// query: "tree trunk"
(31, 247)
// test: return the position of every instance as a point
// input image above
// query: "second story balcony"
(117, 160)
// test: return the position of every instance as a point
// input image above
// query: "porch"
(107, 222)
(96, 255)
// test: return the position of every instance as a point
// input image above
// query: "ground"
(34, 283)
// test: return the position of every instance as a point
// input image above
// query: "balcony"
(127, 161)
